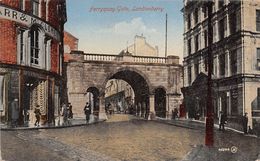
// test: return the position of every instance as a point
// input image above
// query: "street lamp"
(209, 137)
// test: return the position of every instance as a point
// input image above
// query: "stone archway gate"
(94, 70)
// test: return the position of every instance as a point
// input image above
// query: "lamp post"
(209, 137)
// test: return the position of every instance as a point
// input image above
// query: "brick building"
(31, 58)
(236, 55)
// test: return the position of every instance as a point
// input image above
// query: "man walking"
(222, 121)
(245, 122)
(87, 110)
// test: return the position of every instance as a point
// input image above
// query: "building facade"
(141, 48)
(236, 55)
(31, 59)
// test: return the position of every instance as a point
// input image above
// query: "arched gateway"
(155, 81)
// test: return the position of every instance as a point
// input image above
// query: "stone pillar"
(152, 109)
(102, 111)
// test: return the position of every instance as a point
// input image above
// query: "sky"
(108, 26)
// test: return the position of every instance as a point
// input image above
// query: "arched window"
(35, 45)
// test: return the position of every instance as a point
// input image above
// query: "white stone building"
(141, 48)
(236, 62)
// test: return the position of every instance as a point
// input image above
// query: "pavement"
(78, 121)
(196, 124)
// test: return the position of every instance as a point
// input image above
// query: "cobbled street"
(122, 137)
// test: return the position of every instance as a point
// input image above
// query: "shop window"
(234, 102)
(257, 20)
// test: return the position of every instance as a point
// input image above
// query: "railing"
(119, 58)
(99, 57)
(143, 59)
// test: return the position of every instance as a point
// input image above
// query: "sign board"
(28, 20)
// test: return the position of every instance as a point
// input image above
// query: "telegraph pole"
(166, 35)
(209, 137)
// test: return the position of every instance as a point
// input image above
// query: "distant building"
(70, 43)
(31, 58)
(236, 64)
(142, 48)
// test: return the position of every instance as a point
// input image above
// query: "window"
(196, 68)
(2, 93)
(258, 99)
(206, 64)
(258, 59)
(21, 46)
(35, 50)
(233, 62)
(196, 42)
(189, 75)
(205, 11)
(233, 23)
(47, 45)
(35, 7)
(257, 20)
(220, 3)
(21, 4)
(196, 16)
(189, 46)
(222, 65)
(222, 28)
(188, 21)
(205, 38)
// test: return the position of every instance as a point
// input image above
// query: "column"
(152, 109)
(102, 111)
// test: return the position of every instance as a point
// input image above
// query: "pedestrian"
(222, 121)
(64, 113)
(14, 112)
(37, 113)
(87, 110)
(70, 113)
(245, 122)
(174, 113)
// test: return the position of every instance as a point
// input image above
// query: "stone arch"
(142, 74)
(139, 83)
